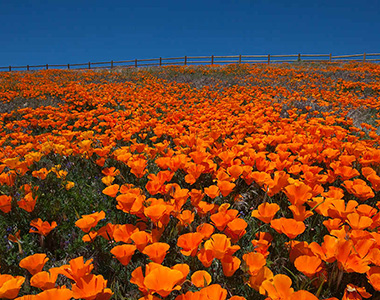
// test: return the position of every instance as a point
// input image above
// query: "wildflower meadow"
(191, 182)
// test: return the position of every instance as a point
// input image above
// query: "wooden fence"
(202, 60)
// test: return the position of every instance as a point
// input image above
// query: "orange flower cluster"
(86, 285)
(236, 174)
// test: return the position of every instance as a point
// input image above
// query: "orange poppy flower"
(346, 172)
(10, 285)
(277, 288)
(334, 192)
(348, 259)
(180, 197)
(41, 173)
(5, 203)
(196, 196)
(130, 202)
(261, 246)
(43, 228)
(373, 275)
(366, 210)
(290, 227)
(280, 180)
(203, 208)
(374, 179)
(122, 233)
(212, 191)
(236, 229)
(28, 202)
(69, 185)
(29, 297)
(45, 280)
(298, 192)
(332, 224)
(16, 239)
(158, 213)
(326, 251)
(237, 298)
(138, 167)
(8, 178)
(77, 268)
(214, 291)
(34, 263)
(297, 249)
(339, 209)
(107, 231)
(193, 172)
(201, 278)
(90, 237)
(256, 280)
(358, 222)
(265, 212)
(359, 188)
(261, 178)
(112, 171)
(227, 156)
(186, 218)
(56, 293)
(353, 292)
(90, 221)
(206, 230)
(184, 269)
(189, 243)
(235, 171)
(162, 280)
(299, 212)
(230, 264)
(91, 287)
(123, 253)
(304, 295)
(220, 246)
(226, 187)
(221, 175)
(156, 251)
(254, 262)
(108, 180)
(205, 257)
(309, 265)
(141, 239)
(222, 218)
(111, 190)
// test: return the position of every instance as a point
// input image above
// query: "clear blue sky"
(67, 31)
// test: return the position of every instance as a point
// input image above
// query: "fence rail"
(212, 59)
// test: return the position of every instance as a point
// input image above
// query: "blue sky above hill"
(61, 32)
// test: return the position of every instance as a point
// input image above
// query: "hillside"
(259, 181)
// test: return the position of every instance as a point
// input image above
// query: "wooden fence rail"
(199, 60)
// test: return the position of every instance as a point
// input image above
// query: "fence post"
(268, 59)
(160, 61)
(27, 67)
(136, 63)
(10, 68)
(330, 57)
(185, 60)
(89, 65)
(212, 59)
(299, 56)
(111, 64)
(240, 59)
(47, 66)
(364, 57)
(68, 66)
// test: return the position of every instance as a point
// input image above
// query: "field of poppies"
(204, 182)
